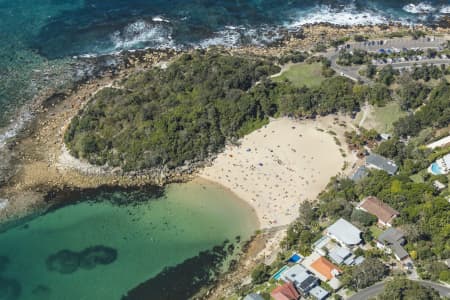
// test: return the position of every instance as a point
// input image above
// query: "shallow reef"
(67, 261)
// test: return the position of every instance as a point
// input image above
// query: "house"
(341, 255)
(444, 142)
(319, 293)
(253, 297)
(385, 136)
(439, 185)
(381, 210)
(447, 262)
(345, 233)
(321, 245)
(441, 166)
(325, 269)
(360, 174)
(335, 283)
(302, 279)
(379, 162)
(359, 260)
(392, 241)
(286, 291)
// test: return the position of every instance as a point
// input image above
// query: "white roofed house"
(345, 233)
(441, 166)
(444, 142)
(302, 279)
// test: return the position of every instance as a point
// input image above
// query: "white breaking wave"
(228, 37)
(233, 36)
(421, 8)
(160, 19)
(347, 16)
(15, 127)
(156, 34)
(445, 9)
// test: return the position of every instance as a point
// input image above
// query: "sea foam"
(445, 9)
(154, 34)
(349, 15)
(421, 8)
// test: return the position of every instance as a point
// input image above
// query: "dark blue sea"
(39, 38)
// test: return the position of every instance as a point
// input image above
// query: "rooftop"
(382, 163)
(399, 251)
(300, 277)
(360, 174)
(446, 160)
(286, 291)
(322, 242)
(335, 283)
(381, 210)
(391, 236)
(359, 260)
(253, 297)
(318, 293)
(440, 143)
(345, 232)
(325, 267)
(339, 254)
(394, 239)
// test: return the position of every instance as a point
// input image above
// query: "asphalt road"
(352, 72)
(400, 43)
(410, 64)
(377, 288)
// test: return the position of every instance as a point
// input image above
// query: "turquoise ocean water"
(39, 38)
(98, 249)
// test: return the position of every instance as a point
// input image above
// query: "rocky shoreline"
(31, 164)
(33, 177)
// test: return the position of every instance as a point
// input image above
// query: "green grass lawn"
(303, 74)
(417, 178)
(375, 230)
(382, 118)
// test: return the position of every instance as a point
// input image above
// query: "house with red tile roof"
(286, 291)
(378, 208)
(325, 268)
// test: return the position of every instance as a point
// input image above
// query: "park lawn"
(302, 74)
(382, 118)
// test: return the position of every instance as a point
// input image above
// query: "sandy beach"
(280, 165)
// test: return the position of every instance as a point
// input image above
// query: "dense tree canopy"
(403, 289)
(436, 113)
(168, 116)
(366, 274)
(187, 111)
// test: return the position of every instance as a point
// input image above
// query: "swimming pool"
(435, 169)
(295, 258)
(277, 275)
